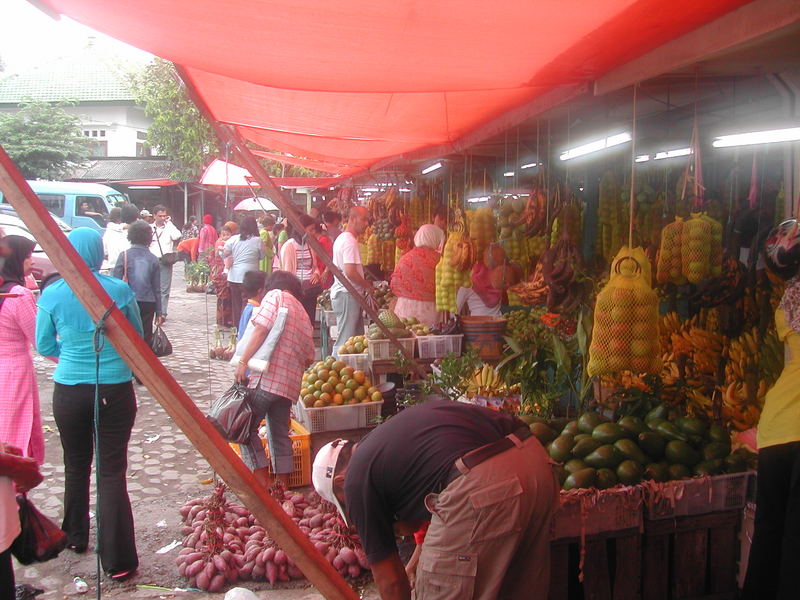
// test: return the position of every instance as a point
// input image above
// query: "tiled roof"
(122, 169)
(88, 76)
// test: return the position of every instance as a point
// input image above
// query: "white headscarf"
(429, 236)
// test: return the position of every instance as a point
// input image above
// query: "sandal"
(122, 575)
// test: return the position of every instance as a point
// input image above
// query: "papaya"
(606, 478)
(588, 421)
(691, 425)
(560, 449)
(668, 430)
(576, 464)
(630, 450)
(678, 471)
(608, 433)
(630, 472)
(605, 456)
(543, 433)
(585, 478)
(715, 466)
(633, 424)
(658, 412)
(678, 451)
(658, 472)
(714, 450)
(652, 444)
(585, 446)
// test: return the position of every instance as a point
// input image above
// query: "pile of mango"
(598, 453)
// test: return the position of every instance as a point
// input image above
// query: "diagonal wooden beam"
(229, 135)
(162, 385)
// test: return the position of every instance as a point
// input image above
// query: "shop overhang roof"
(358, 82)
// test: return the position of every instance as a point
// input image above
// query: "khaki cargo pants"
(489, 535)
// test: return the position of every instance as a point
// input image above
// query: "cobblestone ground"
(164, 470)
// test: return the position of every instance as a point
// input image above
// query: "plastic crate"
(695, 496)
(301, 455)
(385, 350)
(337, 418)
(360, 362)
(439, 346)
(591, 511)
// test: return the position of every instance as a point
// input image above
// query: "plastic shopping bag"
(232, 414)
(40, 539)
(161, 345)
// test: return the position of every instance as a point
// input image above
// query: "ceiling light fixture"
(601, 144)
(508, 174)
(771, 136)
(642, 158)
(432, 168)
(528, 165)
(672, 153)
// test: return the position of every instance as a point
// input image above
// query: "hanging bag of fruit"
(625, 334)
(670, 265)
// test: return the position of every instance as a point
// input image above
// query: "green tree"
(179, 131)
(43, 139)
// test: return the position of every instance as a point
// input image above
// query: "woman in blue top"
(65, 330)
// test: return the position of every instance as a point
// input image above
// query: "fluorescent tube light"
(672, 153)
(370, 189)
(642, 158)
(405, 190)
(528, 165)
(432, 168)
(791, 134)
(508, 174)
(601, 144)
(478, 199)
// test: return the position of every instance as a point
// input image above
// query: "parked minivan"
(79, 204)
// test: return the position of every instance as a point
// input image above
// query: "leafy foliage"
(179, 131)
(43, 140)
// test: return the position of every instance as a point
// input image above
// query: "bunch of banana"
(744, 355)
(670, 323)
(534, 291)
(464, 254)
(742, 402)
(391, 200)
(486, 381)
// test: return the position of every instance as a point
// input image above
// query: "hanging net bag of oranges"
(625, 334)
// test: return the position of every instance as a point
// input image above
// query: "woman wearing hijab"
(207, 237)
(64, 329)
(298, 259)
(20, 420)
(414, 278)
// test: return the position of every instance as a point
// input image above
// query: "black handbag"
(40, 538)
(232, 414)
(169, 259)
(161, 346)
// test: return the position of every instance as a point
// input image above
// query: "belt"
(475, 457)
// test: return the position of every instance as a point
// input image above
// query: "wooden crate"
(611, 567)
(691, 557)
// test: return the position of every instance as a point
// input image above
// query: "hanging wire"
(633, 174)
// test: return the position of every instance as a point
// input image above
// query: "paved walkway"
(164, 469)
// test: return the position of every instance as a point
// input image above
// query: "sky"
(28, 37)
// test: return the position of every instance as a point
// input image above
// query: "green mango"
(633, 424)
(606, 478)
(588, 421)
(559, 423)
(584, 478)
(658, 472)
(560, 449)
(585, 446)
(669, 431)
(653, 444)
(582, 436)
(630, 472)
(734, 463)
(608, 433)
(717, 433)
(605, 456)
(678, 471)
(715, 450)
(571, 428)
(659, 412)
(691, 425)
(678, 451)
(630, 450)
(715, 466)
(576, 464)
(543, 433)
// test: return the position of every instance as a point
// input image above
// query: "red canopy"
(356, 81)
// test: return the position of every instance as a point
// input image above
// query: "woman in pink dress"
(20, 421)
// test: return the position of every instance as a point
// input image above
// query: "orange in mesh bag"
(716, 245)
(625, 334)
(669, 267)
(696, 250)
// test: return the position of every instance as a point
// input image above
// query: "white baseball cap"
(332, 460)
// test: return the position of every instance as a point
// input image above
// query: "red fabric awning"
(327, 167)
(356, 81)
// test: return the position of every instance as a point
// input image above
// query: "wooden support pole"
(178, 405)
(229, 135)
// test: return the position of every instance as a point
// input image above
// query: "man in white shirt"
(165, 236)
(347, 257)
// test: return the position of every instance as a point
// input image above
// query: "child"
(254, 284)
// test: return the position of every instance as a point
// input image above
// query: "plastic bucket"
(485, 334)
(388, 392)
